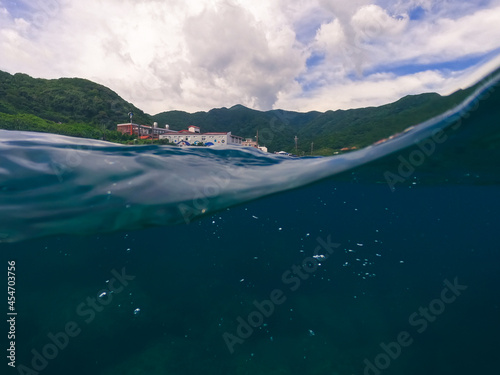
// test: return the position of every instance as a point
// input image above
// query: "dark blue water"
(382, 262)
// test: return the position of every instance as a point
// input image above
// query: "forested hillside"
(78, 107)
(69, 106)
(330, 131)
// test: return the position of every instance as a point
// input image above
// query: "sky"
(298, 55)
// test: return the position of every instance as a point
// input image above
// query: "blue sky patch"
(454, 65)
(315, 59)
(417, 13)
(306, 29)
(17, 9)
(308, 85)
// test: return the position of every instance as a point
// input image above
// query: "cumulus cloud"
(229, 49)
(291, 54)
(366, 41)
(377, 89)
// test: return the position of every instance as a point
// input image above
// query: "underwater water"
(158, 260)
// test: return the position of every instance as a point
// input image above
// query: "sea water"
(160, 260)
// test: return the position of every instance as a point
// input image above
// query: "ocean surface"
(160, 260)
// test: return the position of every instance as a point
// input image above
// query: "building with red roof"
(193, 136)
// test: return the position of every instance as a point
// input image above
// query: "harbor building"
(193, 136)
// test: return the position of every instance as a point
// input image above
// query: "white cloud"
(372, 39)
(228, 48)
(439, 41)
(377, 89)
(371, 22)
(201, 54)
(330, 36)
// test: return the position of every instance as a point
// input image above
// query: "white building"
(193, 136)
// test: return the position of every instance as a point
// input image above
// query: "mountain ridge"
(80, 107)
(328, 131)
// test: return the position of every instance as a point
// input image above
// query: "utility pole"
(312, 147)
(131, 114)
(296, 145)
(257, 137)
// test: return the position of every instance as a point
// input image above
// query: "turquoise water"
(157, 260)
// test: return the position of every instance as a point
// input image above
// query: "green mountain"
(330, 131)
(69, 106)
(78, 107)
